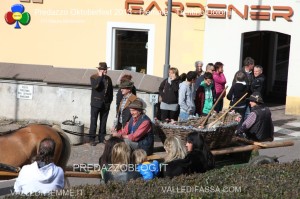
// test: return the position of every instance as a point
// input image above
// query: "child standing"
(147, 169)
(205, 95)
(236, 91)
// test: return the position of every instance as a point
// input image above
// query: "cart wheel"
(263, 159)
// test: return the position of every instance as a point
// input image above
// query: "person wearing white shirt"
(42, 176)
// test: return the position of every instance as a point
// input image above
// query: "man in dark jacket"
(123, 112)
(258, 81)
(101, 98)
(258, 126)
(247, 70)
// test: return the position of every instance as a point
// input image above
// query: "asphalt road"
(285, 154)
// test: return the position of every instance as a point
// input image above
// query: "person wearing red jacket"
(220, 81)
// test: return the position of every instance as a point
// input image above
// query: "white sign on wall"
(153, 98)
(25, 92)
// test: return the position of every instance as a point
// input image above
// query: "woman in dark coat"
(199, 155)
(168, 91)
(199, 159)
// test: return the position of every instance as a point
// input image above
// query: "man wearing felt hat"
(258, 126)
(138, 132)
(101, 98)
(123, 112)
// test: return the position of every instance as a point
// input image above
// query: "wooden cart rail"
(266, 145)
(67, 174)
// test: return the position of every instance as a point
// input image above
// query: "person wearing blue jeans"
(186, 96)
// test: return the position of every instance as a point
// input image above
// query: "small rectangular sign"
(153, 98)
(25, 92)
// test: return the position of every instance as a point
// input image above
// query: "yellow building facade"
(79, 34)
(131, 34)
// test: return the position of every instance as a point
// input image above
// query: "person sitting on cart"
(138, 132)
(199, 155)
(119, 170)
(258, 126)
(175, 163)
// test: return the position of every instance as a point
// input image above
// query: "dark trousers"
(104, 111)
(167, 114)
(219, 106)
(157, 111)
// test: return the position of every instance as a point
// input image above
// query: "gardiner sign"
(219, 11)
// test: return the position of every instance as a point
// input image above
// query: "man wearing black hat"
(258, 126)
(123, 112)
(101, 98)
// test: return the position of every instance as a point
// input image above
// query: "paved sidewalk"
(285, 126)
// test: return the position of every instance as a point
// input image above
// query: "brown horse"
(20, 147)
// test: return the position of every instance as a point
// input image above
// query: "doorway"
(271, 50)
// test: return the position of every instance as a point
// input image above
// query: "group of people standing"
(256, 121)
(200, 90)
(194, 94)
(181, 96)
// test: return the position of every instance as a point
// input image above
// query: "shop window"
(130, 50)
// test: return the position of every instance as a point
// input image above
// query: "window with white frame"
(130, 46)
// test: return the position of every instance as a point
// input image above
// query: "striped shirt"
(248, 123)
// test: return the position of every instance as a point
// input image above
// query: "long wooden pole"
(211, 124)
(67, 174)
(247, 141)
(212, 109)
(10, 168)
(238, 149)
